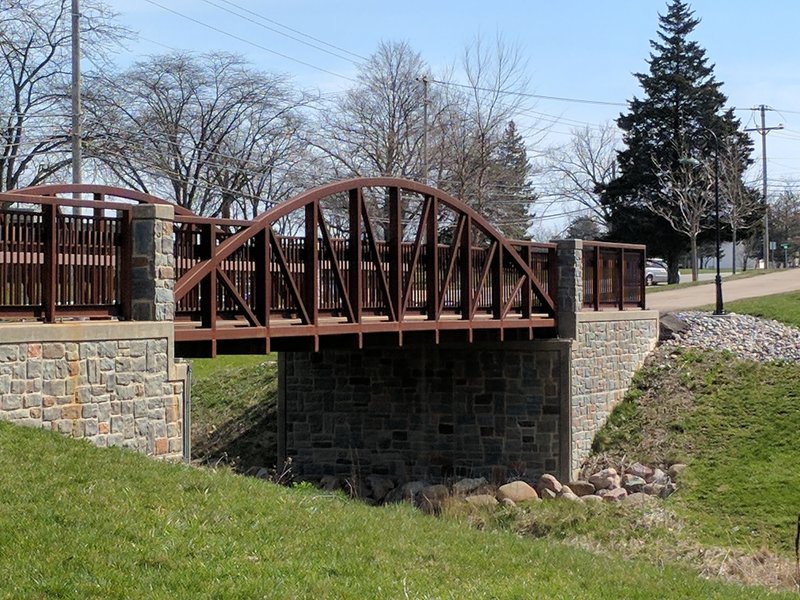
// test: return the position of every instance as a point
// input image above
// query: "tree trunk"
(694, 257)
(733, 251)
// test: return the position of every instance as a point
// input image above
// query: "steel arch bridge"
(370, 261)
(374, 259)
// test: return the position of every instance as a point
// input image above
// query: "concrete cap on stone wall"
(163, 212)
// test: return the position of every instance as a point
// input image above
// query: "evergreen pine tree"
(681, 105)
(512, 193)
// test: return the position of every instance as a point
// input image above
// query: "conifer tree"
(681, 110)
(511, 194)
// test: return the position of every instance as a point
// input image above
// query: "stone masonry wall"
(112, 383)
(426, 413)
(608, 349)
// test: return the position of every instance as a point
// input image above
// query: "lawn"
(687, 280)
(82, 522)
(780, 307)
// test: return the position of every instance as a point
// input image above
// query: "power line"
(527, 94)
(249, 42)
(286, 35)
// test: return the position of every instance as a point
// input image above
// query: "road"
(703, 295)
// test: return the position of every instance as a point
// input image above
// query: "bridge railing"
(55, 264)
(613, 276)
(196, 238)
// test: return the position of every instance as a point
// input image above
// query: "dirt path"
(702, 295)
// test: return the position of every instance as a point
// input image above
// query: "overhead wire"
(249, 42)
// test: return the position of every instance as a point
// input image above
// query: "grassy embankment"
(82, 522)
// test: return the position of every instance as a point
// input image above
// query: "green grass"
(738, 425)
(780, 307)
(654, 289)
(233, 410)
(82, 522)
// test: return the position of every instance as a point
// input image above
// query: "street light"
(719, 309)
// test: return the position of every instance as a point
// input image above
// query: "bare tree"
(377, 127)
(577, 170)
(743, 206)
(201, 130)
(685, 198)
(35, 67)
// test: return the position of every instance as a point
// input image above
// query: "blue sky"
(585, 49)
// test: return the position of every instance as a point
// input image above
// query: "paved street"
(692, 297)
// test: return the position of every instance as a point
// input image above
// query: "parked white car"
(655, 272)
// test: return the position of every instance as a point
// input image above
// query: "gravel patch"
(749, 338)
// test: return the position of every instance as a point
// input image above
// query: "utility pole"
(76, 92)
(764, 130)
(424, 80)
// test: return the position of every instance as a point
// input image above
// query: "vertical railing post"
(598, 277)
(355, 255)
(395, 252)
(49, 261)
(642, 282)
(621, 279)
(466, 270)
(497, 282)
(125, 266)
(263, 279)
(311, 266)
(526, 288)
(432, 257)
(552, 276)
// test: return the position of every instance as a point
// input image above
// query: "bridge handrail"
(613, 275)
(54, 264)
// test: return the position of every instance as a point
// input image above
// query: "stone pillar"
(152, 263)
(570, 286)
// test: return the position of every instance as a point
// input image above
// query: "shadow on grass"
(245, 443)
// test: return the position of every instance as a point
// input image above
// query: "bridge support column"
(152, 263)
(606, 349)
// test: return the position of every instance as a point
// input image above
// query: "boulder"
(569, 496)
(405, 493)
(481, 500)
(653, 489)
(676, 469)
(548, 482)
(548, 495)
(508, 502)
(466, 486)
(605, 479)
(640, 470)
(633, 483)
(581, 488)
(379, 487)
(518, 491)
(591, 498)
(615, 495)
(659, 477)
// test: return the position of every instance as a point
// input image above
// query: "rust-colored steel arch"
(441, 267)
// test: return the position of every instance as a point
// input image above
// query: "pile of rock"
(638, 483)
(747, 337)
